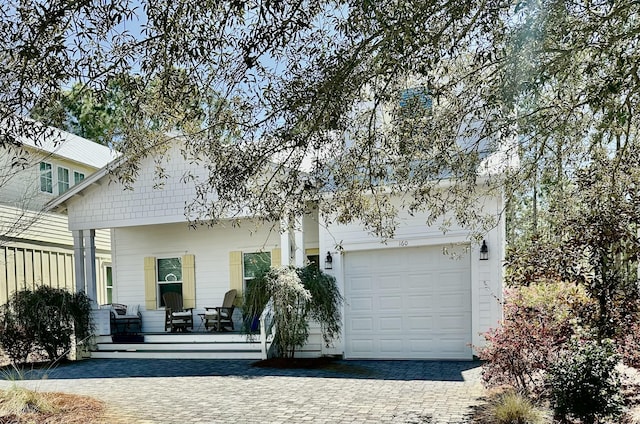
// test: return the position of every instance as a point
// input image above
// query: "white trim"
(452, 237)
(58, 181)
(158, 282)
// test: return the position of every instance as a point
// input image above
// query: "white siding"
(486, 276)
(109, 205)
(211, 247)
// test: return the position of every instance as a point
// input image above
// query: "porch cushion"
(212, 313)
(186, 314)
(132, 309)
(123, 317)
(118, 309)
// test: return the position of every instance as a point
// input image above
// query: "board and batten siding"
(39, 250)
(210, 248)
(26, 267)
(412, 231)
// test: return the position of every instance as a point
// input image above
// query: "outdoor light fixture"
(484, 251)
(328, 261)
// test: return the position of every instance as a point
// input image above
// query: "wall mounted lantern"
(328, 261)
(484, 251)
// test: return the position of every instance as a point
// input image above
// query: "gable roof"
(72, 147)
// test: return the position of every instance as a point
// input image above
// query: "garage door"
(408, 303)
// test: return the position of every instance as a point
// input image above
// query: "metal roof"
(73, 147)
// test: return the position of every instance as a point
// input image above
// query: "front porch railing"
(267, 329)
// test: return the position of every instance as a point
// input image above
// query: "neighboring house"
(36, 248)
(422, 295)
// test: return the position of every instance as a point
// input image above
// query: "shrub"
(299, 294)
(326, 300)
(584, 382)
(539, 319)
(289, 304)
(629, 345)
(43, 320)
(514, 408)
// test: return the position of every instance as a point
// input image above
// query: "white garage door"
(408, 303)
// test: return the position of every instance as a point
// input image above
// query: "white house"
(422, 295)
(36, 248)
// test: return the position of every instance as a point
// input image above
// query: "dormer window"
(46, 177)
(77, 177)
(63, 180)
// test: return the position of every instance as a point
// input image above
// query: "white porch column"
(90, 264)
(78, 260)
(287, 241)
(298, 235)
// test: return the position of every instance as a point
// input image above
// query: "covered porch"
(199, 343)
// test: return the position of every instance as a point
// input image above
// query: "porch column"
(78, 260)
(90, 264)
(287, 241)
(300, 257)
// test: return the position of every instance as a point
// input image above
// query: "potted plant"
(255, 299)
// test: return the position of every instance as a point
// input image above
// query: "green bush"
(43, 320)
(584, 382)
(299, 294)
(513, 408)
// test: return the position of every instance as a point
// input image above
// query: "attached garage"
(408, 303)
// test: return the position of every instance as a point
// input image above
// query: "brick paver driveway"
(219, 391)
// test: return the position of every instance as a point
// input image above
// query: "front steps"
(181, 346)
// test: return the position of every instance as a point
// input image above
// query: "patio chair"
(177, 317)
(124, 319)
(220, 317)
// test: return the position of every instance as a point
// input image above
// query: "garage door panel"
(361, 305)
(387, 282)
(417, 281)
(420, 323)
(390, 304)
(391, 324)
(391, 345)
(409, 303)
(361, 346)
(422, 345)
(362, 324)
(417, 302)
(361, 283)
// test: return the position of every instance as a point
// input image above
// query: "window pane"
(314, 260)
(63, 180)
(254, 263)
(46, 178)
(77, 177)
(109, 284)
(170, 269)
(169, 287)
